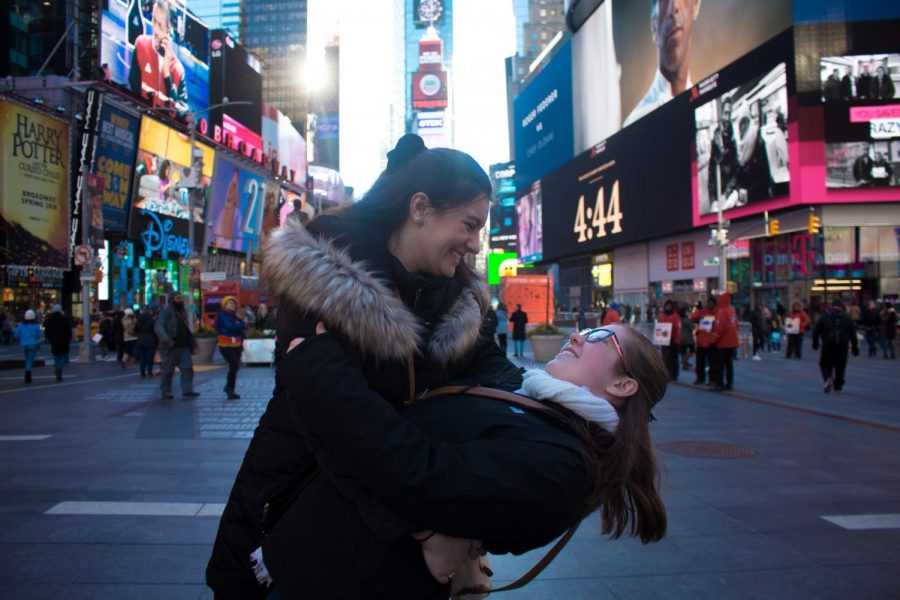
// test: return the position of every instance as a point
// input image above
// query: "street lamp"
(196, 167)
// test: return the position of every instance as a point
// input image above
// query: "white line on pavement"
(143, 509)
(882, 521)
(19, 377)
(24, 438)
(65, 383)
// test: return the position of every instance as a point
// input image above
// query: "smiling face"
(439, 244)
(160, 24)
(595, 365)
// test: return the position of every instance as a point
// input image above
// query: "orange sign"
(534, 293)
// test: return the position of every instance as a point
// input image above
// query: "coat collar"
(315, 275)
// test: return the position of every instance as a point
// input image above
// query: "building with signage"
(779, 129)
(428, 59)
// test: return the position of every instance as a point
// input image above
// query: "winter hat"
(227, 299)
(29, 315)
(129, 312)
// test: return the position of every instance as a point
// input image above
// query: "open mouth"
(567, 349)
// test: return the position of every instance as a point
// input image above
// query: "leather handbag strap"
(527, 403)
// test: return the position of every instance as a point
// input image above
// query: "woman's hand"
(443, 554)
(320, 329)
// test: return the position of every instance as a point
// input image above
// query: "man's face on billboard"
(160, 24)
(726, 113)
(672, 22)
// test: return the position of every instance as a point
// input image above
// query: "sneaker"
(168, 397)
(829, 385)
(190, 395)
(757, 357)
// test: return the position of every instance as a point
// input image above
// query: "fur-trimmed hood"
(314, 275)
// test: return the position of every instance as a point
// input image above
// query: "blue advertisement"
(836, 11)
(236, 206)
(543, 120)
(116, 148)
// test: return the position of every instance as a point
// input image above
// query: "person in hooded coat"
(58, 331)
(388, 273)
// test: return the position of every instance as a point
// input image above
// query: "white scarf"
(540, 385)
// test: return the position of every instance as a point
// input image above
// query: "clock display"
(428, 11)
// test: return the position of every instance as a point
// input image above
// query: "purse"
(472, 580)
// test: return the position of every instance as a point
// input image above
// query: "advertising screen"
(237, 197)
(292, 204)
(284, 146)
(158, 50)
(741, 144)
(428, 12)
(501, 264)
(429, 89)
(502, 232)
(529, 229)
(34, 188)
(162, 156)
(543, 119)
(633, 57)
(235, 76)
(115, 153)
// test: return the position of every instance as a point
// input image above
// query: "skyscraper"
(276, 31)
(429, 69)
(31, 29)
(219, 14)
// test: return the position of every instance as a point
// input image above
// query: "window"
(543, 35)
(543, 12)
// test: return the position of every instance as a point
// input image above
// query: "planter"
(206, 347)
(259, 351)
(545, 347)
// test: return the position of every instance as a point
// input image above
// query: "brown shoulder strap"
(528, 403)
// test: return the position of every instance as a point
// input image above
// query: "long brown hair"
(622, 466)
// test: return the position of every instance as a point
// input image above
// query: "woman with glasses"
(485, 473)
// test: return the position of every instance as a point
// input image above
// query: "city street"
(773, 491)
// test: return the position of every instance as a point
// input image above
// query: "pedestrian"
(118, 337)
(388, 274)
(705, 317)
(231, 330)
(28, 332)
(580, 319)
(483, 468)
(176, 344)
(489, 322)
(836, 331)
(611, 316)
(250, 317)
(888, 330)
(725, 337)
(58, 331)
(6, 329)
(502, 326)
(871, 320)
(129, 338)
(758, 329)
(519, 319)
(686, 344)
(795, 326)
(670, 351)
(105, 329)
(146, 341)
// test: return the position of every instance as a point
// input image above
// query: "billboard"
(284, 146)
(633, 57)
(114, 161)
(428, 12)
(501, 264)
(237, 196)
(34, 187)
(741, 144)
(158, 50)
(429, 89)
(502, 232)
(542, 116)
(235, 76)
(529, 225)
(162, 155)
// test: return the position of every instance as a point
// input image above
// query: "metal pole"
(721, 239)
(190, 266)
(84, 207)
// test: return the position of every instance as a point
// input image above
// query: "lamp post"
(193, 185)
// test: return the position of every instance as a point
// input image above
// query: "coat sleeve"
(488, 366)
(484, 489)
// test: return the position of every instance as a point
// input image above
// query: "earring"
(420, 221)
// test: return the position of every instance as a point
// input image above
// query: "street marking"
(24, 438)
(39, 377)
(139, 509)
(63, 384)
(205, 368)
(856, 522)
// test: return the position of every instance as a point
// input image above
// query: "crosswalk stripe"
(874, 521)
(142, 509)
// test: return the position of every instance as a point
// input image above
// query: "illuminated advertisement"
(158, 50)
(34, 188)
(542, 115)
(235, 76)
(114, 161)
(501, 264)
(328, 187)
(428, 12)
(283, 145)
(633, 57)
(163, 155)
(529, 227)
(237, 198)
(429, 89)
(741, 144)
(503, 225)
(292, 204)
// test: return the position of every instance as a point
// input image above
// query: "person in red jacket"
(795, 340)
(725, 336)
(670, 352)
(611, 316)
(156, 73)
(705, 318)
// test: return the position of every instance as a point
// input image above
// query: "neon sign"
(157, 237)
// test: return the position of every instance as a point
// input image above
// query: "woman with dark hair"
(388, 273)
(478, 468)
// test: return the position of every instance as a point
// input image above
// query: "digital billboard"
(235, 76)
(542, 115)
(114, 161)
(284, 146)
(502, 232)
(429, 90)
(237, 198)
(529, 227)
(158, 50)
(633, 57)
(163, 154)
(34, 187)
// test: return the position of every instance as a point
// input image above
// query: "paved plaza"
(775, 490)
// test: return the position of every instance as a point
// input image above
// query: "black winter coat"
(58, 331)
(144, 329)
(385, 315)
(464, 465)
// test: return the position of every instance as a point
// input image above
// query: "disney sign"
(158, 237)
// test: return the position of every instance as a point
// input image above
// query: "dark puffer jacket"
(345, 277)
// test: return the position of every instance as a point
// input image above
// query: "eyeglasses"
(601, 334)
